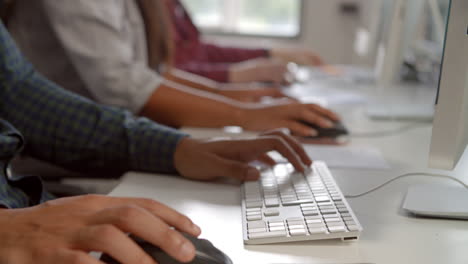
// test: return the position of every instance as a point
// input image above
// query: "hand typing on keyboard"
(206, 160)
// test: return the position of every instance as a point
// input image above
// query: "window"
(279, 18)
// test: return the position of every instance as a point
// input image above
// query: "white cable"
(408, 175)
(385, 133)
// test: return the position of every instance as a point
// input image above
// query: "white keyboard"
(285, 206)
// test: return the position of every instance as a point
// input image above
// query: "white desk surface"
(390, 235)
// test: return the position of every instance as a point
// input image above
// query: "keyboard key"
(313, 217)
(327, 207)
(296, 226)
(328, 211)
(254, 204)
(267, 235)
(257, 230)
(331, 216)
(314, 221)
(270, 224)
(254, 217)
(309, 212)
(319, 230)
(277, 228)
(317, 225)
(322, 198)
(272, 202)
(329, 224)
(294, 219)
(271, 212)
(253, 199)
(297, 232)
(256, 224)
(297, 202)
(336, 229)
(343, 210)
(353, 227)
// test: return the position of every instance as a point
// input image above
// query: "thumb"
(235, 169)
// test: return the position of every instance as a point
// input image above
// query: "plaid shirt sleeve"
(74, 132)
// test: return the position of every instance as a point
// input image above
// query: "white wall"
(325, 29)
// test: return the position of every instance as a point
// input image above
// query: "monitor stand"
(437, 201)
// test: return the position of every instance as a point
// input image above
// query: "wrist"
(243, 115)
(233, 74)
(181, 151)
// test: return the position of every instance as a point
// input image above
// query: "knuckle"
(150, 203)
(305, 113)
(170, 236)
(105, 232)
(127, 213)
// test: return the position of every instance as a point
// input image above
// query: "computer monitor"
(389, 58)
(450, 126)
(407, 27)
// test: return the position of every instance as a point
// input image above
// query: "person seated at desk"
(41, 119)
(99, 49)
(229, 64)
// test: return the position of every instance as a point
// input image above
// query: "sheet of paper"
(348, 157)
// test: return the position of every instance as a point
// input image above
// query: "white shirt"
(96, 48)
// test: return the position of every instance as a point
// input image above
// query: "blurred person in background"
(118, 52)
(229, 64)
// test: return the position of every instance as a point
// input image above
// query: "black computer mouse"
(206, 253)
(337, 130)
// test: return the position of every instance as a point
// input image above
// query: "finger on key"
(296, 146)
(279, 144)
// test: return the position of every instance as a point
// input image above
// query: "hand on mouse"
(207, 160)
(66, 230)
(289, 115)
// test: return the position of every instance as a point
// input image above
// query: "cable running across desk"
(384, 133)
(405, 176)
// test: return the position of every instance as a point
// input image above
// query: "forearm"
(177, 105)
(79, 134)
(217, 53)
(218, 72)
(192, 80)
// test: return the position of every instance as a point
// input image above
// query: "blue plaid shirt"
(44, 121)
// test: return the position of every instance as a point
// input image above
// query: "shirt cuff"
(153, 146)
